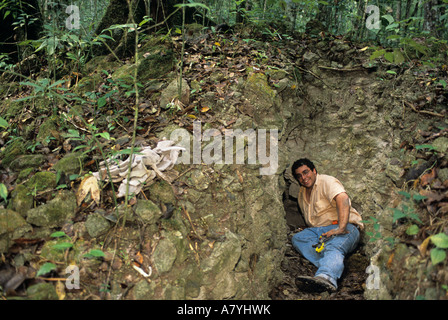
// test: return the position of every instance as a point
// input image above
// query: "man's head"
(305, 172)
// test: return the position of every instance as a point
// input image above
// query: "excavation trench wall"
(230, 238)
(350, 123)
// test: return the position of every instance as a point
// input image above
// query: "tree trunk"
(241, 11)
(398, 11)
(117, 13)
(431, 15)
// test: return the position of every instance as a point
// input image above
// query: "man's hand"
(334, 232)
(343, 208)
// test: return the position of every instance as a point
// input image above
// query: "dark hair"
(302, 162)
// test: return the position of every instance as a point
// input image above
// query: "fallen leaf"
(423, 246)
(240, 177)
(205, 109)
(138, 259)
(60, 290)
(390, 260)
(427, 178)
(88, 185)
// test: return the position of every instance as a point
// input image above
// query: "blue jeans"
(330, 261)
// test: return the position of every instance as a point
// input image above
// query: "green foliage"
(3, 123)
(62, 245)
(45, 269)
(94, 253)
(406, 210)
(438, 254)
(3, 192)
(43, 88)
(376, 234)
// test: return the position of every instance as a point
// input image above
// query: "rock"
(264, 100)
(70, 163)
(443, 174)
(156, 62)
(148, 211)
(41, 181)
(11, 152)
(27, 161)
(144, 290)
(172, 91)
(310, 56)
(164, 255)
(55, 212)
(162, 191)
(276, 74)
(199, 180)
(46, 130)
(21, 200)
(42, 291)
(12, 226)
(97, 225)
(441, 144)
(224, 257)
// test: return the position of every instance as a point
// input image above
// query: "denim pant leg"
(303, 242)
(330, 262)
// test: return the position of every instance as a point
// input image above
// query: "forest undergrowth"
(117, 115)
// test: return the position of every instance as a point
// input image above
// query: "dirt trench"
(352, 283)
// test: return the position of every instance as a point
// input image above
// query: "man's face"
(306, 176)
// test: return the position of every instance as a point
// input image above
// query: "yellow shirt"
(321, 210)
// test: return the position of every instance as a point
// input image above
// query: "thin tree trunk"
(431, 16)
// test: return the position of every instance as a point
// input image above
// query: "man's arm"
(343, 208)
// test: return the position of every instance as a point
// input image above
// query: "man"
(327, 211)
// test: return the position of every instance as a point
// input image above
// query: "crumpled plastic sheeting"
(146, 166)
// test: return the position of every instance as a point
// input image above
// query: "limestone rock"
(42, 291)
(70, 163)
(164, 255)
(27, 161)
(225, 255)
(97, 225)
(170, 93)
(148, 211)
(12, 226)
(55, 212)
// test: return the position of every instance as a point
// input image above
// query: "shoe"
(314, 284)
